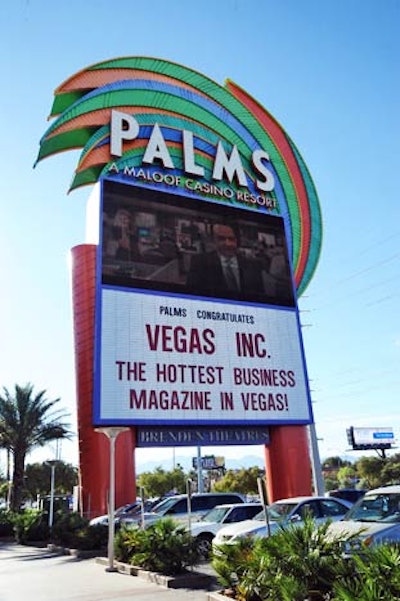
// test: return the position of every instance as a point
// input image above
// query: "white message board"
(186, 361)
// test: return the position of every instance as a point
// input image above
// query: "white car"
(281, 513)
(207, 527)
(374, 519)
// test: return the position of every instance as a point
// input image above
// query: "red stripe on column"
(93, 446)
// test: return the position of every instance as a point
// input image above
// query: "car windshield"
(164, 505)
(135, 509)
(121, 509)
(383, 507)
(124, 508)
(276, 512)
(216, 514)
(129, 509)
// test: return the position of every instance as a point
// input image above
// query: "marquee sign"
(164, 126)
(185, 313)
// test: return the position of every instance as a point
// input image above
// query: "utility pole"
(319, 486)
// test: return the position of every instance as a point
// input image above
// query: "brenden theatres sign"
(209, 229)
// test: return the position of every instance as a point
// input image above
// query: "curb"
(78, 553)
(190, 580)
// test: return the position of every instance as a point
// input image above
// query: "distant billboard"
(176, 342)
(371, 438)
(209, 462)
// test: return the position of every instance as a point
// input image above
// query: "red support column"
(287, 463)
(94, 450)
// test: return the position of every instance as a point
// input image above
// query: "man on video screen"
(224, 270)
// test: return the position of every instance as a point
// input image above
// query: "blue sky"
(327, 71)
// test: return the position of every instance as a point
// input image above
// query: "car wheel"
(204, 543)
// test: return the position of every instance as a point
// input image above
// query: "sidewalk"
(38, 575)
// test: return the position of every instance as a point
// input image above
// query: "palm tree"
(27, 421)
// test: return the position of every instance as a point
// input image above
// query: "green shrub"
(69, 530)
(305, 564)
(73, 531)
(376, 576)
(307, 556)
(294, 564)
(124, 543)
(30, 525)
(231, 562)
(91, 538)
(6, 523)
(165, 547)
(66, 528)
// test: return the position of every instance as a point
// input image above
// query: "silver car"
(281, 513)
(374, 519)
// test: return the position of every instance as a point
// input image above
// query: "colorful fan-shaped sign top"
(163, 124)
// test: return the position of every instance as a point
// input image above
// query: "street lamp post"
(200, 486)
(52, 479)
(112, 434)
(319, 486)
(52, 463)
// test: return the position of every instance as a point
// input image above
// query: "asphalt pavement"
(36, 574)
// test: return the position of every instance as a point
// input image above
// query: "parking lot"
(38, 575)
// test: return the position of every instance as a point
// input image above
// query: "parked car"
(207, 527)
(177, 506)
(348, 494)
(373, 520)
(281, 513)
(130, 510)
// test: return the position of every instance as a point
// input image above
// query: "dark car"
(348, 494)
(176, 506)
(130, 510)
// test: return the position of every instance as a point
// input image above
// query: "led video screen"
(167, 242)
